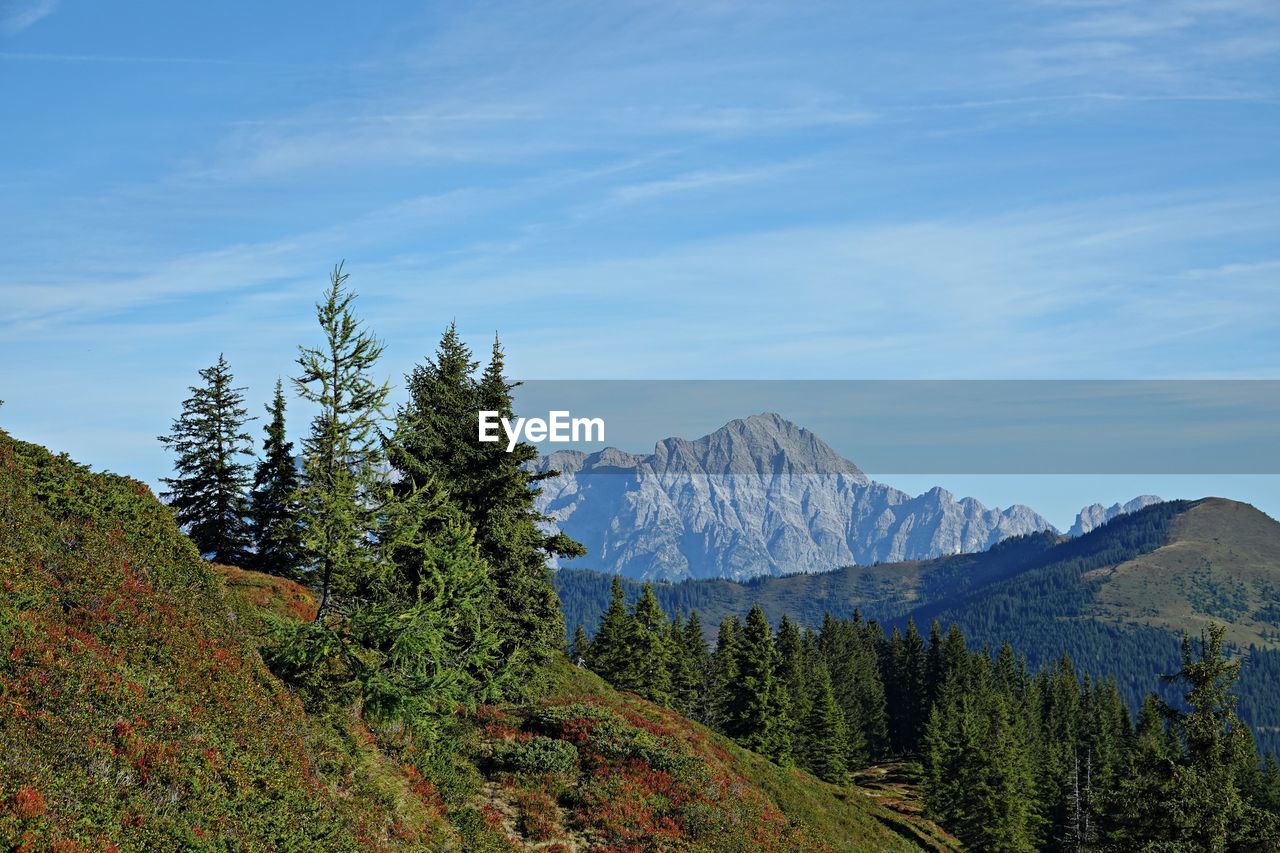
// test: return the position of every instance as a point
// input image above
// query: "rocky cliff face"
(1096, 515)
(759, 496)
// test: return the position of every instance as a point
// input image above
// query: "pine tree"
(274, 510)
(208, 495)
(651, 657)
(580, 648)
(341, 479)
(436, 435)
(613, 644)
(692, 679)
(824, 736)
(758, 713)
(724, 675)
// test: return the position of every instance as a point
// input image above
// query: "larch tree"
(405, 628)
(342, 478)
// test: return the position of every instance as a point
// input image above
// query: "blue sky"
(1065, 188)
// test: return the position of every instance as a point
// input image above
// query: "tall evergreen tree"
(1184, 791)
(436, 435)
(404, 625)
(274, 510)
(979, 780)
(794, 671)
(906, 686)
(724, 675)
(758, 714)
(651, 652)
(408, 637)
(691, 672)
(342, 480)
(208, 495)
(613, 644)
(823, 742)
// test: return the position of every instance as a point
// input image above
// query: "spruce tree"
(795, 663)
(274, 510)
(341, 477)
(208, 495)
(849, 652)
(436, 436)
(651, 652)
(613, 645)
(724, 675)
(692, 679)
(757, 716)
(911, 668)
(580, 647)
(426, 611)
(978, 775)
(824, 731)
(1183, 790)
(935, 675)
(409, 637)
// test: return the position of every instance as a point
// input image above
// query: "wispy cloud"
(1066, 187)
(691, 182)
(19, 56)
(17, 15)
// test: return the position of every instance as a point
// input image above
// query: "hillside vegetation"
(137, 712)
(1116, 599)
(139, 715)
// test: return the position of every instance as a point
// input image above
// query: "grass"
(138, 714)
(1222, 563)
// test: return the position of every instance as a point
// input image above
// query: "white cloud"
(17, 15)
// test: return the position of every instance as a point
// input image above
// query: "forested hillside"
(1007, 757)
(1115, 599)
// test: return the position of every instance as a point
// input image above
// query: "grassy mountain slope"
(1221, 563)
(138, 715)
(622, 772)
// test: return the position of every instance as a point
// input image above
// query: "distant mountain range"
(1096, 515)
(1116, 599)
(762, 496)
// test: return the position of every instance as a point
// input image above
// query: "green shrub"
(537, 756)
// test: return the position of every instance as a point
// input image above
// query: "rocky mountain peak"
(758, 496)
(1096, 515)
